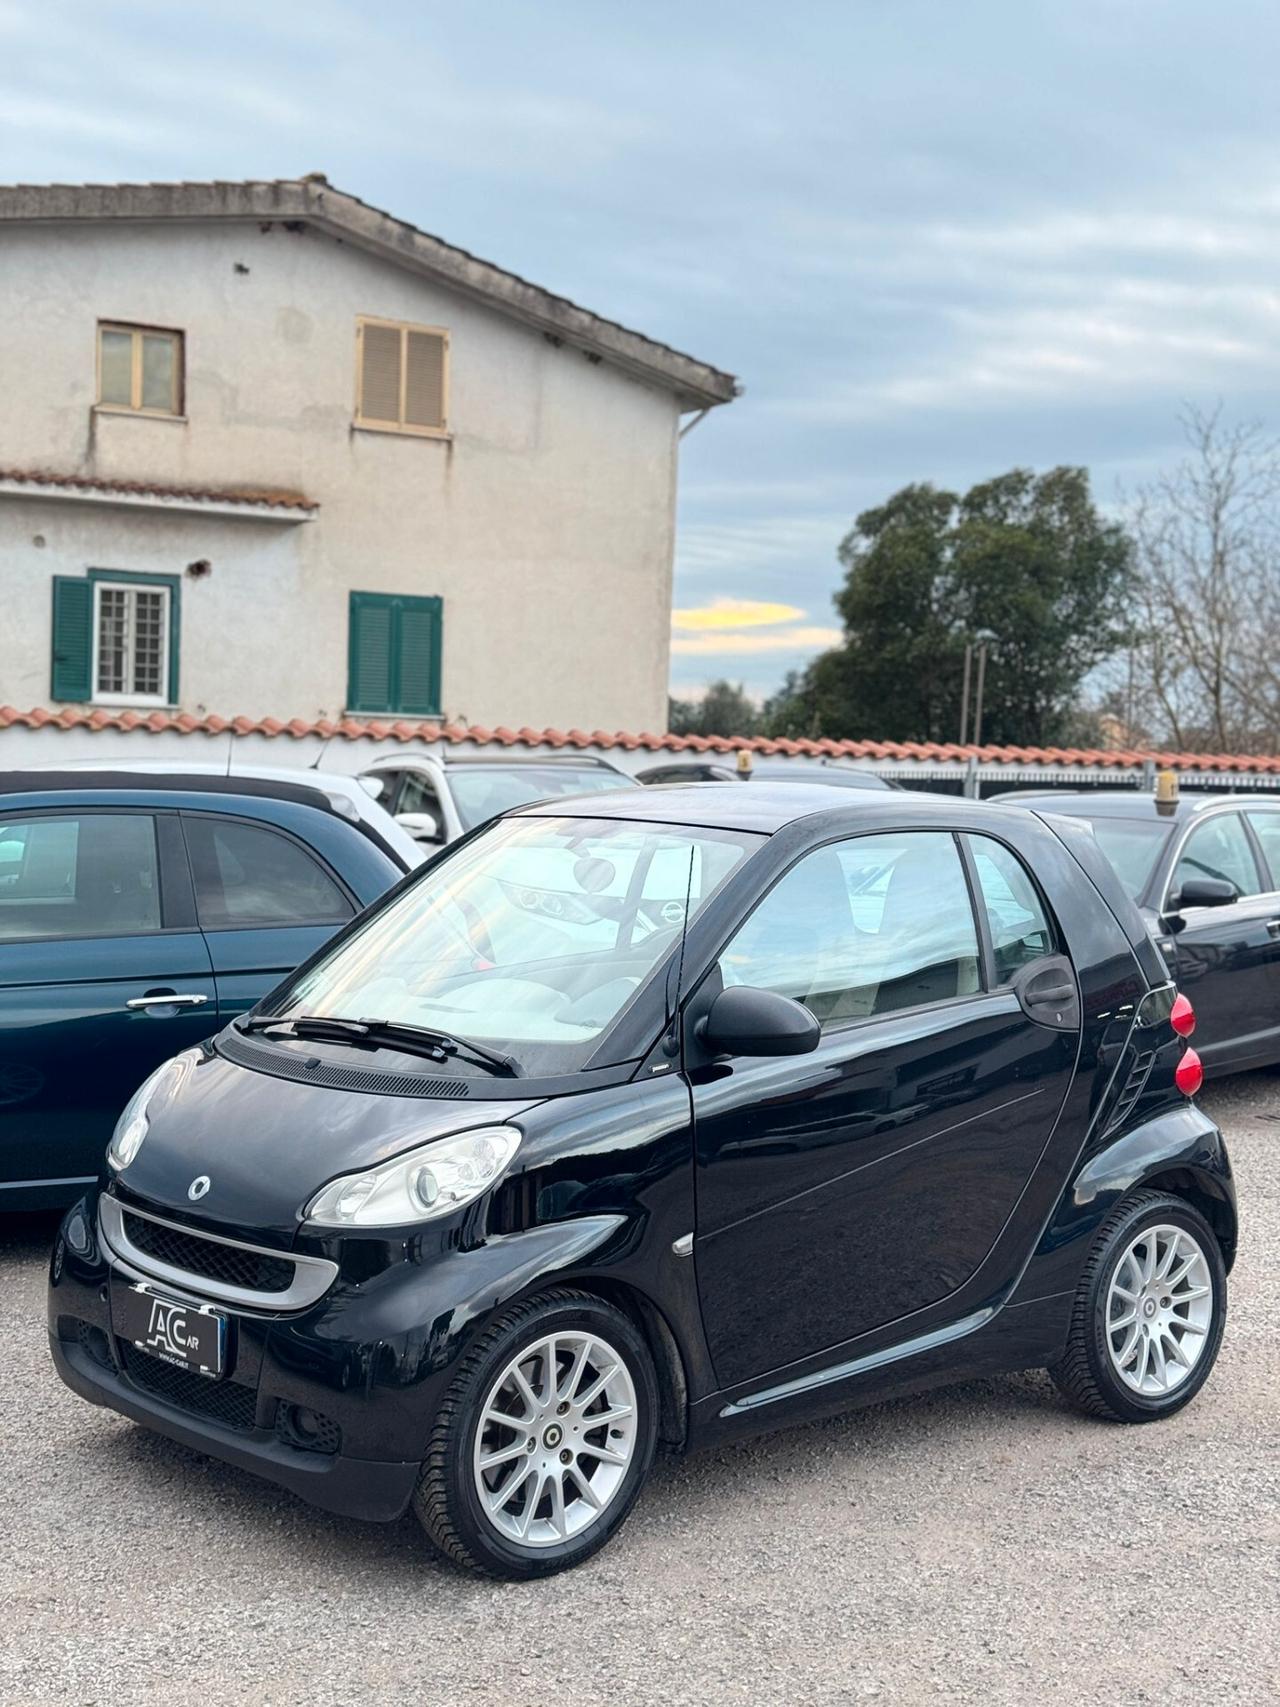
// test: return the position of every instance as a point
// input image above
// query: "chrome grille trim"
(312, 1276)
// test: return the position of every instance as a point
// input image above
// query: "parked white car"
(436, 800)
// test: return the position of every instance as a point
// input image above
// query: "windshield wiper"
(389, 1033)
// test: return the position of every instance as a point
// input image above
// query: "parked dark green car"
(137, 914)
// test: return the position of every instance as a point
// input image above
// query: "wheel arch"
(657, 1333)
(1178, 1149)
(1204, 1193)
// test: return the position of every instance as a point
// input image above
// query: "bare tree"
(1205, 666)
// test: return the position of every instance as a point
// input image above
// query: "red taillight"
(1188, 1075)
(1182, 1016)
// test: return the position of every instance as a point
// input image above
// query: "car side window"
(72, 875)
(1266, 826)
(418, 794)
(1219, 848)
(247, 874)
(1020, 931)
(863, 927)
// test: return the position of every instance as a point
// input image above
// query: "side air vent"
(1133, 1087)
(287, 1063)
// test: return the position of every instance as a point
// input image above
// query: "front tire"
(1149, 1312)
(544, 1439)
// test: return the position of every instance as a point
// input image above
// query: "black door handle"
(1051, 994)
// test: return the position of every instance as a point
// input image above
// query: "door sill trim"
(861, 1365)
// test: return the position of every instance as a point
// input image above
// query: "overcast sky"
(934, 238)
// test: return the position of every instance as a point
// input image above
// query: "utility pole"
(977, 707)
(964, 698)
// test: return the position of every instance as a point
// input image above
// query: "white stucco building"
(267, 452)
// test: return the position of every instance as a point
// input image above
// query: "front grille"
(229, 1264)
(224, 1402)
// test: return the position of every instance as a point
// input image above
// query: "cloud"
(742, 644)
(733, 614)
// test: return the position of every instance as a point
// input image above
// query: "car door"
(844, 1190)
(265, 902)
(1227, 955)
(103, 975)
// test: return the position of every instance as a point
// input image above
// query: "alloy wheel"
(557, 1434)
(1159, 1310)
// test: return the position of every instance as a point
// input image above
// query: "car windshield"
(1132, 845)
(482, 793)
(533, 938)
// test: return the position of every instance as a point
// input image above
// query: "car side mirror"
(1207, 892)
(422, 826)
(745, 1021)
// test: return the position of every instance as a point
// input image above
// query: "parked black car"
(656, 1117)
(138, 912)
(1205, 870)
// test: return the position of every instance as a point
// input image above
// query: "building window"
(140, 369)
(131, 643)
(402, 377)
(115, 638)
(393, 655)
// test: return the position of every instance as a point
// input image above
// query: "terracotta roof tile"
(270, 496)
(428, 732)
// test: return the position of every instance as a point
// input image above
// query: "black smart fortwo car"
(654, 1117)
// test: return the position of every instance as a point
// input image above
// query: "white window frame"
(102, 697)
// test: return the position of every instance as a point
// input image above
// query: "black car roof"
(765, 807)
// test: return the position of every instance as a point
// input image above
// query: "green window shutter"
(393, 654)
(418, 649)
(72, 638)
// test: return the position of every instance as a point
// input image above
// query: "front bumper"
(332, 1365)
(353, 1487)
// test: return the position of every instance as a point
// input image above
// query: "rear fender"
(1178, 1150)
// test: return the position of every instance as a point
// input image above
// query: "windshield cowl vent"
(289, 1061)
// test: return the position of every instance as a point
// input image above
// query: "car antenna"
(324, 748)
(231, 747)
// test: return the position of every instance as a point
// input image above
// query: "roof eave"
(696, 384)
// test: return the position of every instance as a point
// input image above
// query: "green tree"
(723, 710)
(1023, 563)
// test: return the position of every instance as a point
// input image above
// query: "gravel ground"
(980, 1544)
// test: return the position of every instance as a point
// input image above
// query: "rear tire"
(544, 1439)
(1149, 1312)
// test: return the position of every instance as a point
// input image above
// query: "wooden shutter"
(72, 668)
(394, 654)
(424, 379)
(380, 374)
(418, 657)
(369, 653)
